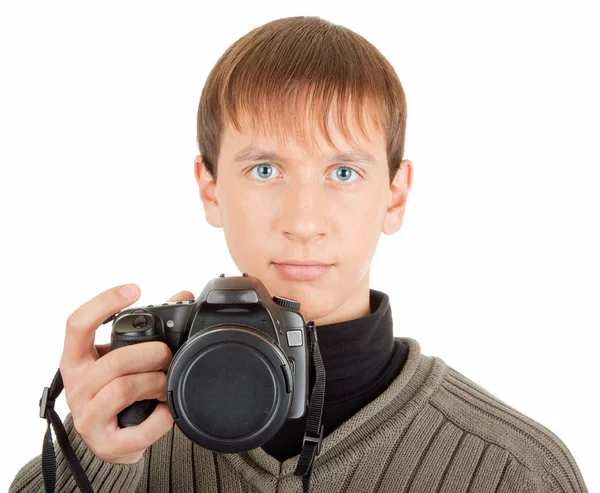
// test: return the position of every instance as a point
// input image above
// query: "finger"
(124, 391)
(102, 349)
(182, 296)
(126, 360)
(134, 438)
(83, 322)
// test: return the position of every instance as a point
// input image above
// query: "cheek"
(361, 225)
(362, 215)
(246, 223)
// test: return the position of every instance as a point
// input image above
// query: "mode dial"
(294, 305)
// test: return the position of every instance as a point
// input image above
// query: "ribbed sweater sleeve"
(476, 411)
(104, 476)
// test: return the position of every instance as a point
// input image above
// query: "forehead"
(305, 134)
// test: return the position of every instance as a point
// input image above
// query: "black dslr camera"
(240, 364)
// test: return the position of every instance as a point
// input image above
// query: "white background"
(495, 269)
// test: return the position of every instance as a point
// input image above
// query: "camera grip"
(137, 412)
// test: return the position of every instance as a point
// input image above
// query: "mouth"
(302, 270)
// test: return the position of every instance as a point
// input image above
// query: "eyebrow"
(257, 154)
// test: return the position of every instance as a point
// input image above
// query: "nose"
(305, 212)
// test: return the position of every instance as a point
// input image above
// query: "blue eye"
(348, 172)
(265, 171)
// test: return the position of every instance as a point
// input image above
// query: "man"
(301, 128)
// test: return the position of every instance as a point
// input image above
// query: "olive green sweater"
(432, 431)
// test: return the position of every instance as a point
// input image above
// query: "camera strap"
(313, 434)
(311, 447)
(48, 413)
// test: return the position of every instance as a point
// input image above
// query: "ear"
(207, 188)
(399, 189)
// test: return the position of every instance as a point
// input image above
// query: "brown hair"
(281, 69)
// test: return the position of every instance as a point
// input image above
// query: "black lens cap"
(228, 389)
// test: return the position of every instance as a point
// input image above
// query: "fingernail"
(129, 291)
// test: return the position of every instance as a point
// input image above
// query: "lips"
(302, 262)
(302, 272)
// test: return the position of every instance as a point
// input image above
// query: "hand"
(100, 383)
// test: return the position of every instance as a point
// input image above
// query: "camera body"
(240, 364)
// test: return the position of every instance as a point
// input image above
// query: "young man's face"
(300, 206)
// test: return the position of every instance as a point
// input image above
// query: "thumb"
(182, 296)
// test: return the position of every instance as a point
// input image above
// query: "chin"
(316, 300)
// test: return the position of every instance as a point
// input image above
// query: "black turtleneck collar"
(356, 350)
(361, 358)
